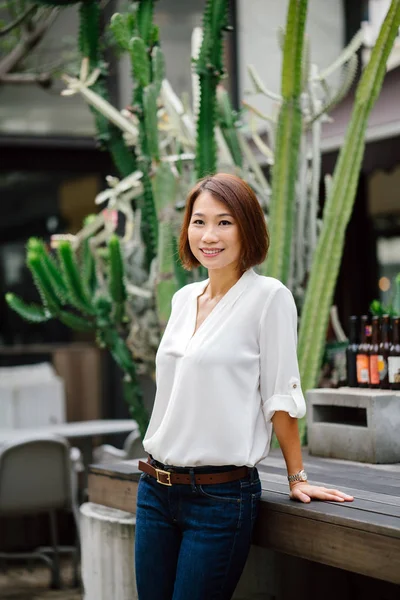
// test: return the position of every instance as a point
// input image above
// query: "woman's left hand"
(306, 492)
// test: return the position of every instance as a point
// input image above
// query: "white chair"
(133, 448)
(36, 477)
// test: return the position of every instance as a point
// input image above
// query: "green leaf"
(30, 312)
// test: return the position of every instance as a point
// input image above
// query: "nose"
(209, 235)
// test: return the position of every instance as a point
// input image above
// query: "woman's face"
(213, 233)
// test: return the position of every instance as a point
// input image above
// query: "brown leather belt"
(170, 478)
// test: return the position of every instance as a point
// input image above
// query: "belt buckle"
(167, 474)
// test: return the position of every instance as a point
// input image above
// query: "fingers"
(337, 495)
(299, 495)
(305, 493)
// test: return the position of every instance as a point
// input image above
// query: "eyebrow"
(198, 214)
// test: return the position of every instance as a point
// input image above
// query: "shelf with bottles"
(373, 353)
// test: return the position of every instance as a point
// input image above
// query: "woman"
(226, 373)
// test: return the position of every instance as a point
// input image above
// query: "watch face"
(303, 476)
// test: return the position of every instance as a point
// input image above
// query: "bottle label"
(382, 367)
(362, 368)
(394, 369)
(374, 369)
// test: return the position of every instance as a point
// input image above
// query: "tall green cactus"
(209, 68)
(68, 294)
(288, 136)
(137, 34)
(89, 46)
(339, 205)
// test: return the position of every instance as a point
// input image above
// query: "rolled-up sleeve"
(280, 385)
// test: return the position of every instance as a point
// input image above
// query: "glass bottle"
(394, 356)
(362, 353)
(384, 349)
(351, 352)
(374, 381)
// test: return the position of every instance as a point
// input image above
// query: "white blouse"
(218, 389)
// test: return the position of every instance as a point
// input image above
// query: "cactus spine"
(288, 135)
(339, 205)
(63, 285)
(209, 68)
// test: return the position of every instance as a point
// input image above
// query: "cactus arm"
(70, 270)
(140, 62)
(260, 87)
(75, 322)
(158, 67)
(326, 263)
(166, 286)
(228, 124)
(89, 31)
(89, 46)
(144, 18)
(150, 95)
(122, 27)
(252, 162)
(43, 282)
(53, 270)
(301, 215)
(261, 145)
(116, 279)
(289, 128)
(347, 81)
(181, 275)
(88, 262)
(206, 154)
(145, 107)
(351, 49)
(132, 392)
(30, 312)
(209, 68)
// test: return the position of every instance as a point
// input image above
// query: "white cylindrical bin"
(107, 542)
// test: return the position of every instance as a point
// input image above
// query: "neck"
(221, 280)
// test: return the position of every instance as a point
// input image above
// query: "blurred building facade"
(51, 168)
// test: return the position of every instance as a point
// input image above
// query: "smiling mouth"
(210, 252)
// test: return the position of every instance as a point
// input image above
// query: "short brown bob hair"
(242, 202)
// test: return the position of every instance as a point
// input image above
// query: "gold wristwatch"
(300, 476)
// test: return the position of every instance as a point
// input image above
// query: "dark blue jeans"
(192, 541)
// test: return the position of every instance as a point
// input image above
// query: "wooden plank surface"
(362, 536)
(350, 549)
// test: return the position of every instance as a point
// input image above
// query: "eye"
(225, 223)
(197, 222)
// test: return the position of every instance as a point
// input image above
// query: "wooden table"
(361, 537)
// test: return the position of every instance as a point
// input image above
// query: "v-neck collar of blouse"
(227, 299)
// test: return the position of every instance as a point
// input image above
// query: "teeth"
(211, 251)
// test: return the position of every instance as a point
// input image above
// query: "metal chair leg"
(56, 571)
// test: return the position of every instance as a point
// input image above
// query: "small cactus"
(63, 286)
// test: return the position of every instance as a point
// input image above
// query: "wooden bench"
(361, 537)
